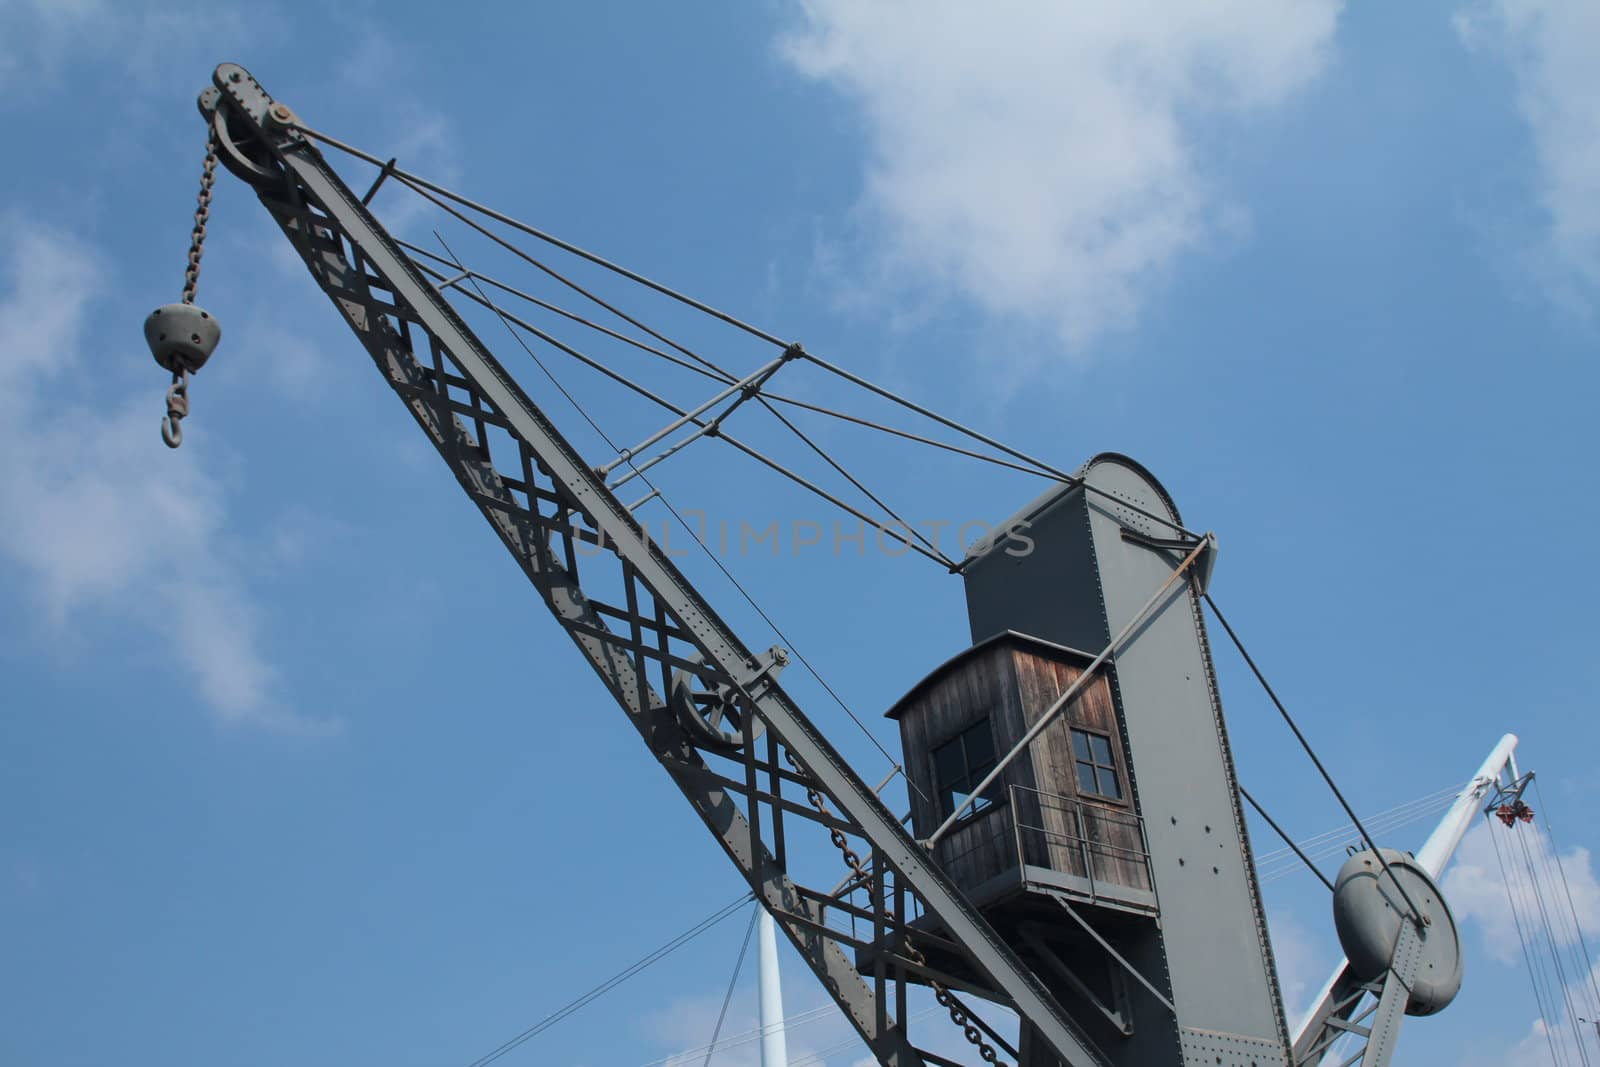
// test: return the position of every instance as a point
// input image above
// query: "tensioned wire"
(437, 194)
(929, 550)
(731, 908)
(1552, 943)
(1425, 803)
(1535, 973)
(422, 187)
(1311, 754)
(733, 982)
(509, 319)
(720, 375)
(1281, 862)
(1572, 910)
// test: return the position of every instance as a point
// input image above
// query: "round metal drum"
(1368, 910)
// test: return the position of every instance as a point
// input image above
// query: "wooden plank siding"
(984, 686)
(1011, 681)
(1108, 837)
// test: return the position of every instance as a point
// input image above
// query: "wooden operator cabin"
(1060, 819)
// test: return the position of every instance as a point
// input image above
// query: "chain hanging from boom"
(862, 876)
(182, 336)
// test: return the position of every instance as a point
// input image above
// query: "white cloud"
(41, 41)
(1553, 50)
(1565, 1036)
(1476, 888)
(686, 1025)
(100, 517)
(1041, 159)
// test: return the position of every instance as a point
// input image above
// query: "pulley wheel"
(713, 714)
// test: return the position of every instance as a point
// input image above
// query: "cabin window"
(1097, 769)
(960, 764)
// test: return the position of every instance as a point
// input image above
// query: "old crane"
(1078, 852)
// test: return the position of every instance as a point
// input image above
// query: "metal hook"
(177, 409)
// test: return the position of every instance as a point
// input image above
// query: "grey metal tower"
(1112, 854)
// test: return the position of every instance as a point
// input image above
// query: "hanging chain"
(178, 391)
(202, 215)
(852, 859)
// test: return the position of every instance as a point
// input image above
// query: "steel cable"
(615, 980)
(1512, 892)
(727, 998)
(1310, 752)
(1552, 945)
(1577, 925)
(436, 194)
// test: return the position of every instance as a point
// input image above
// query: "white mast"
(774, 1046)
(1441, 844)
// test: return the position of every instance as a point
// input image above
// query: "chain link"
(852, 859)
(177, 408)
(202, 215)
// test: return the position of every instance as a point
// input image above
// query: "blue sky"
(297, 771)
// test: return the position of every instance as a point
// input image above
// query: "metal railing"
(1099, 842)
(1075, 837)
(1102, 844)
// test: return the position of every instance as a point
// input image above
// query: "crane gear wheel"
(714, 713)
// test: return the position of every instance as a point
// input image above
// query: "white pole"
(774, 1046)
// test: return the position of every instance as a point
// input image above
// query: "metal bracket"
(240, 113)
(1202, 567)
(377, 183)
(1385, 1030)
(1119, 1017)
(1114, 954)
